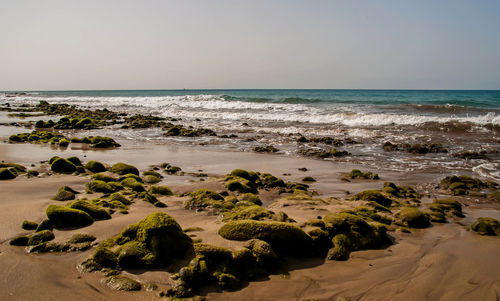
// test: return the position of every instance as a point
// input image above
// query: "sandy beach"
(443, 262)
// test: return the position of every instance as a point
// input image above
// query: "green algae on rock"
(123, 169)
(96, 212)
(40, 237)
(352, 233)
(486, 226)
(61, 165)
(161, 190)
(65, 193)
(155, 241)
(414, 218)
(122, 283)
(95, 166)
(373, 195)
(29, 225)
(64, 217)
(285, 238)
(359, 175)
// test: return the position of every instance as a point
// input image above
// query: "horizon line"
(240, 89)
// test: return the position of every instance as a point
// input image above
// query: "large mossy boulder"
(284, 238)
(373, 196)
(486, 226)
(351, 232)
(6, 174)
(414, 218)
(123, 169)
(61, 165)
(64, 217)
(95, 166)
(155, 241)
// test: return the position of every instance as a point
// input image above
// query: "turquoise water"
(469, 98)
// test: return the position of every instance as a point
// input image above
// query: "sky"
(153, 44)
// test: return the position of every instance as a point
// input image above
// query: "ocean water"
(460, 120)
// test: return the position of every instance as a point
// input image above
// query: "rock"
(123, 169)
(61, 165)
(6, 174)
(122, 283)
(486, 226)
(64, 217)
(40, 237)
(95, 166)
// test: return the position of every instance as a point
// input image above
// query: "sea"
(459, 120)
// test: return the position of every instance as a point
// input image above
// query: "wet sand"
(444, 262)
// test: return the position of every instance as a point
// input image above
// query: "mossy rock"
(103, 177)
(130, 176)
(65, 193)
(445, 206)
(241, 173)
(63, 142)
(81, 238)
(101, 186)
(150, 179)
(52, 159)
(29, 225)
(123, 169)
(133, 184)
(213, 253)
(122, 283)
(45, 224)
(250, 197)
(308, 179)
(352, 233)
(152, 173)
(155, 241)
(95, 166)
(240, 185)
(93, 210)
(64, 217)
(413, 217)
(253, 212)
(6, 174)
(40, 237)
(207, 198)
(285, 238)
(119, 198)
(104, 258)
(161, 190)
(358, 174)
(486, 226)
(61, 165)
(19, 241)
(14, 167)
(263, 253)
(375, 196)
(75, 160)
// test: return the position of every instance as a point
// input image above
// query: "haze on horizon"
(385, 44)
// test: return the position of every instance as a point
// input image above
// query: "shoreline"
(444, 261)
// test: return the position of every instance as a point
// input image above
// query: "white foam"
(216, 107)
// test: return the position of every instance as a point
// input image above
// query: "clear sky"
(147, 44)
